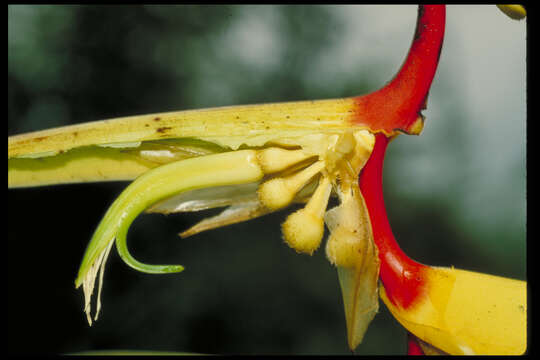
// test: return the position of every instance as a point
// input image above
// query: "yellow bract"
(124, 148)
(465, 312)
(233, 126)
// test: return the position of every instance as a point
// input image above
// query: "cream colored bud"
(344, 248)
(279, 192)
(345, 143)
(276, 193)
(303, 231)
(276, 159)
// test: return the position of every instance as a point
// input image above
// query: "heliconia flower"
(256, 159)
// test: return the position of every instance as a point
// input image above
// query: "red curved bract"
(398, 106)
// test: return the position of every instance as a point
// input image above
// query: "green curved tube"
(228, 168)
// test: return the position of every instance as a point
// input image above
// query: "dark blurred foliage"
(243, 290)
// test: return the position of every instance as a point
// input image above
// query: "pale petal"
(232, 215)
(208, 198)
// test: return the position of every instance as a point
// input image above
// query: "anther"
(304, 229)
(279, 192)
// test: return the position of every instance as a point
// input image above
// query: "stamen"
(276, 159)
(279, 192)
(304, 229)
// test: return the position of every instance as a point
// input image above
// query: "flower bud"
(279, 192)
(303, 231)
(276, 159)
(345, 248)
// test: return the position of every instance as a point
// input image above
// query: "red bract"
(400, 275)
(413, 348)
(397, 106)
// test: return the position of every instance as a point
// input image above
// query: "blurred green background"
(455, 195)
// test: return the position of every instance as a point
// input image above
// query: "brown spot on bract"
(163, 129)
(41, 138)
(157, 118)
